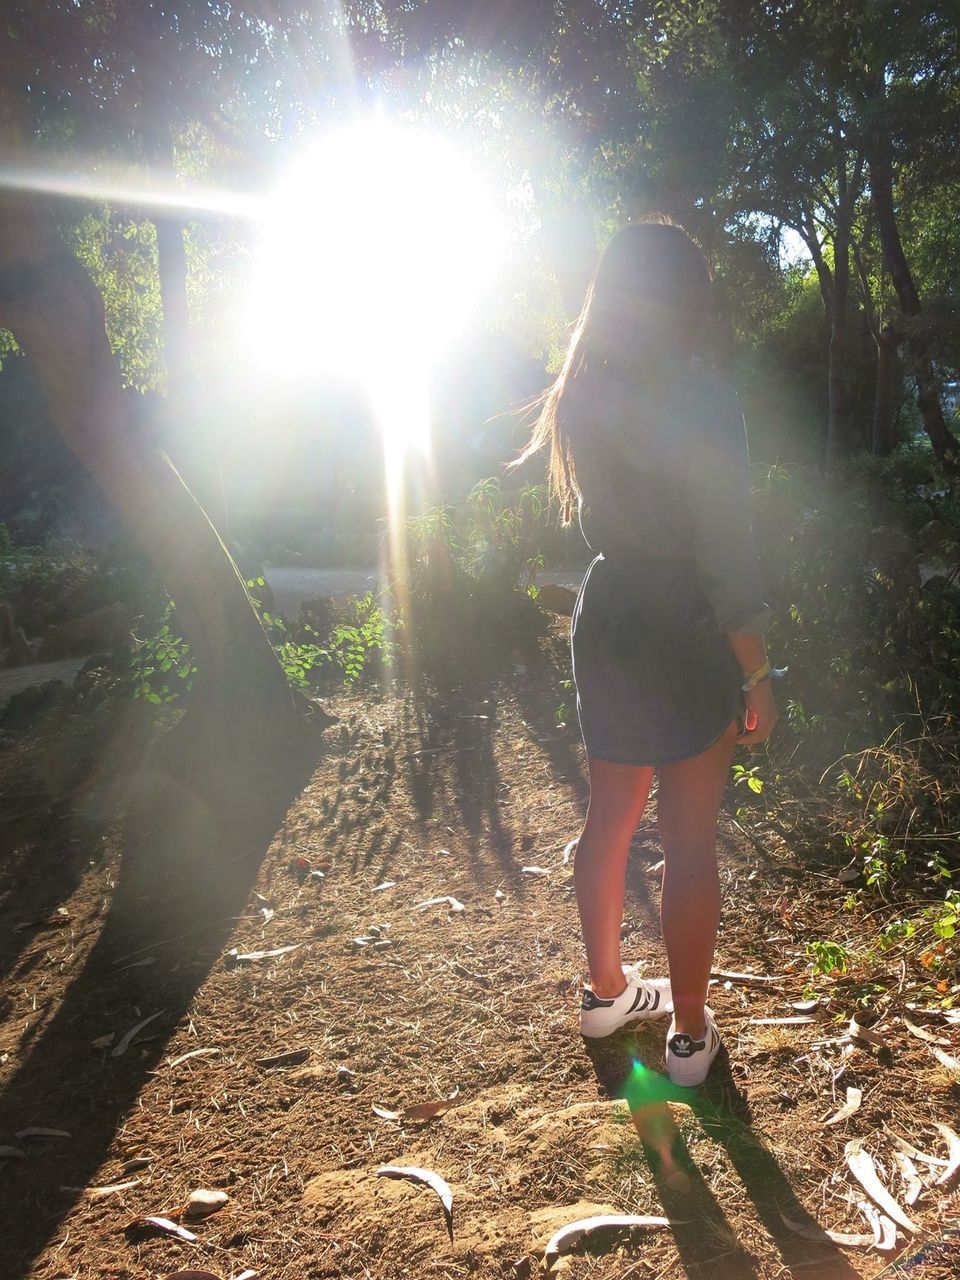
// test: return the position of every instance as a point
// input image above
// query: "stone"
(19, 650)
(934, 534)
(104, 628)
(889, 546)
(556, 599)
(7, 625)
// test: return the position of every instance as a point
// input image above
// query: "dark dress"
(665, 504)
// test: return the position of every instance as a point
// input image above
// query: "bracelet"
(753, 678)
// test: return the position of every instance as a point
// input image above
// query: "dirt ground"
(114, 915)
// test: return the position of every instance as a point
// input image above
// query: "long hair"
(644, 307)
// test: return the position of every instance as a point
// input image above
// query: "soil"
(141, 899)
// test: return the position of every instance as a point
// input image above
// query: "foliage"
(358, 643)
(161, 665)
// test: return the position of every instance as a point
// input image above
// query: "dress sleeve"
(718, 498)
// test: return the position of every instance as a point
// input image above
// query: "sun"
(376, 245)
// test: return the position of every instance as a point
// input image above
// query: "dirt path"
(477, 1005)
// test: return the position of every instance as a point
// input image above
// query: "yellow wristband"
(753, 678)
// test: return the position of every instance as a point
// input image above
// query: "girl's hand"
(759, 716)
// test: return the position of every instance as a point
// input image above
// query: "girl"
(667, 633)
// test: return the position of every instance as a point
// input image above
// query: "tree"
(49, 303)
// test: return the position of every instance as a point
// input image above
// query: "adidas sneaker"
(689, 1060)
(641, 1000)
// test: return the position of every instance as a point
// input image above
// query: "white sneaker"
(689, 1060)
(641, 1000)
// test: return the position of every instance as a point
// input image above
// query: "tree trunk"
(886, 388)
(944, 443)
(808, 231)
(840, 296)
(55, 312)
(886, 341)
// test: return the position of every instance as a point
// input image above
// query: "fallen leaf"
(201, 1203)
(910, 1176)
(852, 1104)
(249, 1274)
(823, 1236)
(161, 1224)
(101, 1193)
(861, 1165)
(865, 1035)
(234, 957)
(454, 903)
(796, 1020)
(884, 1231)
(194, 1053)
(654, 868)
(725, 974)
(569, 849)
(499, 895)
(848, 875)
(38, 1131)
(384, 1114)
(430, 1179)
(909, 1149)
(535, 871)
(136, 1162)
(292, 1058)
(124, 1044)
(12, 1153)
(102, 1042)
(192, 1275)
(953, 1149)
(921, 1032)
(387, 884)
(563, 1241)
(946, 1060)
(427, 1110)
(804, 1006)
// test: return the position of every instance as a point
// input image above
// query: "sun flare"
(376, 245)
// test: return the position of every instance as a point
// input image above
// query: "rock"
(934, 533)
(30, 702)
(557, 599)
(19, 650)
(889, 547)
(104, 628)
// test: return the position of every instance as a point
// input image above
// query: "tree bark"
(840, 296)
(944, 443)
(885, 395)
(52, 307)
(886, 341)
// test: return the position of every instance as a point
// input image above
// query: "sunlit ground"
(376, 246)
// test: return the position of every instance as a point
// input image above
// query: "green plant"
(742, 776)
(828, 957)
(161, 664)
(350, 646)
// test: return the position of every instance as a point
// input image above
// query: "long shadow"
(457, 730)
(52, 777)
(704, 1237)
(189, 862)
(727, 1123)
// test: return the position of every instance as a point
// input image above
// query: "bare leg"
(688, 801)
(618, 797)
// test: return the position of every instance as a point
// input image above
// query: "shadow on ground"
(707, 1241)
(187, 867)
